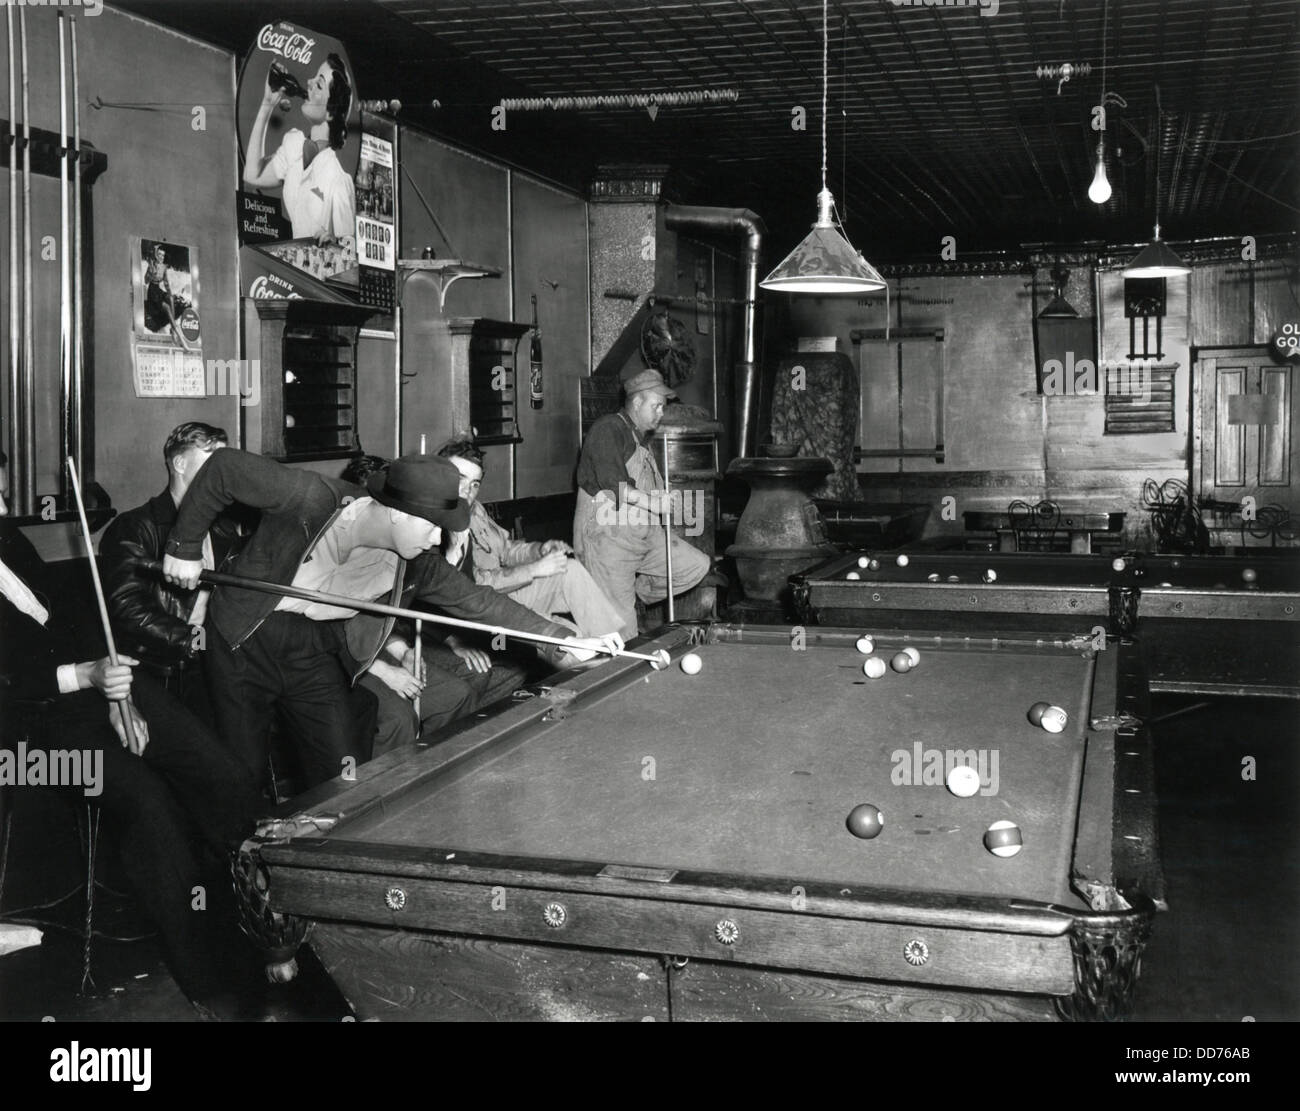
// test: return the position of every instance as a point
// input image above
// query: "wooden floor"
(1226, 950)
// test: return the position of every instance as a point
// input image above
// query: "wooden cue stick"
(218, 578)
(417, 662)
(27, 492)
(65, 271)
(668, 536)
(78, 331)
(127, 721)
(14, 403)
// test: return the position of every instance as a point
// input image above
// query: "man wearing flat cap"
(377, 543)
(618, 526)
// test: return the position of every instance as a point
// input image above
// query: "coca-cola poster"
(298, 122)
(166, 336)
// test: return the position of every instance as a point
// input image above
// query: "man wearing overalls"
(618, 530)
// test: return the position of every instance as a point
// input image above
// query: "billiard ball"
(1003, 838)
(1118, 565)
(866, 645)
(1036, 712)
(990, 576)
(1054, 719)
(913, 655)
(874, 565)
(1248, 575)
(933, 577)
(902, 561)
(866, 821)
(963, 781)
(691, 663)
(661, 660)
(874, 668)
(902, 663)
(953, 579)
(1166, 586)
(863, 561)
(853, 576)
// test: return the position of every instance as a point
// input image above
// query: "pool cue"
(127, 721)
(27, 493)
(13, 411)
(218, 578)
(65, 273)
(78, 330)
(668, 537)
(415, 664)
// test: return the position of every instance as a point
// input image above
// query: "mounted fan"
(666, 346)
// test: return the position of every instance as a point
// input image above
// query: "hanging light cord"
(825, 79)
(1160, 127)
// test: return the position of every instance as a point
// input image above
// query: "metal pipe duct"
(722, 221)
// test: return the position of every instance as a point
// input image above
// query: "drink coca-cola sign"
(290, 44)
(267, 287)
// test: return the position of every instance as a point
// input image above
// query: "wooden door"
(1245, 443)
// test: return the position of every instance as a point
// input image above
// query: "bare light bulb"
(1099, 190)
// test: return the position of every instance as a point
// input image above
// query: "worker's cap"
(647, 380)
(424, 486)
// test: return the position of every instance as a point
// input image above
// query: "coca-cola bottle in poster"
(298, 121)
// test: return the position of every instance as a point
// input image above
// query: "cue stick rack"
(44, 155)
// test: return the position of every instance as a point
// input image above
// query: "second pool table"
(636, 844)
(1202, 627)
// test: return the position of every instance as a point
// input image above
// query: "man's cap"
(647, 380)
(424, 486)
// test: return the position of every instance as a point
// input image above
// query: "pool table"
(1201, 627)
(636, 844)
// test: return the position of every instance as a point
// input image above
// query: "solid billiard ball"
(853, 576)
(963, 781)
(913, 655)
(1118, 565)
(1248, 575)
(1054, 719)
(863, 562)
(990, 576)
(1036, 712)
(661, 660)
(874, 565)
(866, 645)
(866, 821)
(933, 577)
(902, 663)
(1003, 838)
(691, 663)
(874, 668)
(902, 561)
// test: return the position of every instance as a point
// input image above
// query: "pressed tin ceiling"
(940, 122)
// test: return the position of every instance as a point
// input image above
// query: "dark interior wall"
(165, 179)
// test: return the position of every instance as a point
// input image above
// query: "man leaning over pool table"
(377, 543)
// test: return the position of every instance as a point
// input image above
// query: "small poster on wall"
(166, 336)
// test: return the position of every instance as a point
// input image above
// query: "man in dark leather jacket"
(156, 622)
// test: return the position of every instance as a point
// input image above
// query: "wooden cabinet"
(484, 378)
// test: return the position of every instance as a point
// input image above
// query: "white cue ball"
(863, 561)
(902, 561)
(1118, 565)
(1054, 719)
(691, 663)
(874, 668)
(866, 645)
(853, 576)
(1003, 838)
(963, 781)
